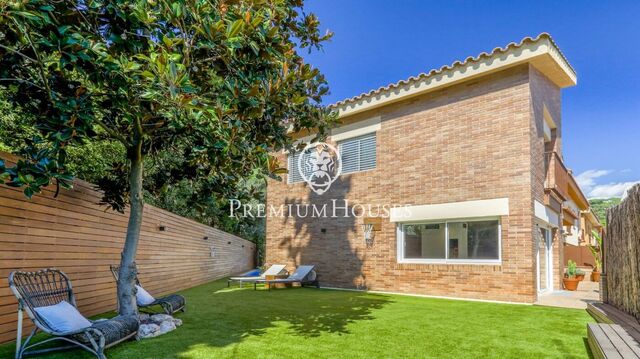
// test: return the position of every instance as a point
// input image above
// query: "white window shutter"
(359, 153)
(293, 160)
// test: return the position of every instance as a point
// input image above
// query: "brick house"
(471, 153)
(579, 222)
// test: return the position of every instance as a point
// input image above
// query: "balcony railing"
(560, 180)
(557, 178)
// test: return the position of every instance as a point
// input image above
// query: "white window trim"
(546, 214)
(356, 129)
(550, 259)
(400, 243)
(446, 211)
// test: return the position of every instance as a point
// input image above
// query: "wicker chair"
(170, 303)
(50, 287)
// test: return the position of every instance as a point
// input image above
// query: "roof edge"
(542, 52)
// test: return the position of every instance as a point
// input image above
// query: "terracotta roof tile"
(422, 76)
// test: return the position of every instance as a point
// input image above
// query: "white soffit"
(356, 129)
(548, 118)
(467, 209)
(546, 214)
(547, 131)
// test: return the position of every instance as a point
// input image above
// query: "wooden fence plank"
(622, 254)
(82, 238)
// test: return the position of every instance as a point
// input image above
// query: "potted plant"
(580, 274)
(570, 281)
(596, 252)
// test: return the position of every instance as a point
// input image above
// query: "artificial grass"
(306, 322)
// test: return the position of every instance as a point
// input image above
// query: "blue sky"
(379, 42)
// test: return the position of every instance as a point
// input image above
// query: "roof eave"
(542, 53)
(591, 217)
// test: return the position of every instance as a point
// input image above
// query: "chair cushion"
(113, 330)
(63, 317)
(143, 297)
(176, 300)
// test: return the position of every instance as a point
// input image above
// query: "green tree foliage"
(596, 251)
(90, 160)
(93, 161)
(201, 90)
(600, 207)
(16, 129)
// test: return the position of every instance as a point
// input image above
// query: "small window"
(293, 161)
(358, 154)
(454, 241)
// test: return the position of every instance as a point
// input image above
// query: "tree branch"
(112, 132)
(21, 80)
(17, 52)
(38, 62)
(139, 129)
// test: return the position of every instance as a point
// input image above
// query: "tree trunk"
(126, 282)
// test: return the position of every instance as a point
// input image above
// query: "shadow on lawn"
(218, 318)
(233, 315)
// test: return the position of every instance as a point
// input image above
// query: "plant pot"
(580, 277)
(595, 276)
(570, 283)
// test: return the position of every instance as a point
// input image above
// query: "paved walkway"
(587, 292)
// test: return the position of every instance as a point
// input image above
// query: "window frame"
(291, 154)
(400, 243)
(359, 138)
(290, 161)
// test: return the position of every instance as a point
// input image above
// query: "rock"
(156, 324)
(148, 330)
(159, 318)
(167, 326)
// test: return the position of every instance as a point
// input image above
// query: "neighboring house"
(475, 151)
(579, 235)
(578, 220)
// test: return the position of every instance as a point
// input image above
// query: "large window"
(476, 241)
(358, 154)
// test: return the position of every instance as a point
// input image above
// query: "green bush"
(572, 269)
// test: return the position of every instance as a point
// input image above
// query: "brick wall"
(471, 141)
(545, 94)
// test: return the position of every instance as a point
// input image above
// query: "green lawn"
(294, 323)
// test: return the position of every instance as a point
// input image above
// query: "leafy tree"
(90, 161)
(93, 162)
(15, 128)
(600, 207)
(217, 83)
(596, 251)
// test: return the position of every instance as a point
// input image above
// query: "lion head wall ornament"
(320, 165)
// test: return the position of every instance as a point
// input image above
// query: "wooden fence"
(73, 233)
(622, 254)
